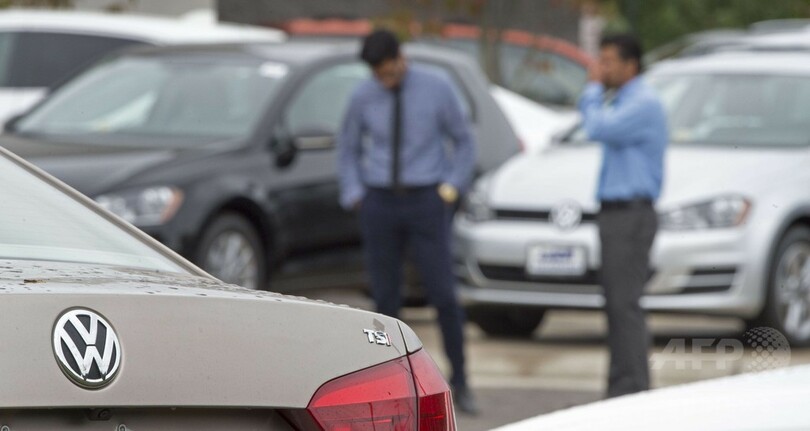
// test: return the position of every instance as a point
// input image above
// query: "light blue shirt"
(632, 129)
(431, 114)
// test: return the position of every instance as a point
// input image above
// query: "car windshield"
(41, 222)
(735, 110)
(160, 97)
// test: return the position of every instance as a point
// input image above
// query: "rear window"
(29, 59)
(41, 222)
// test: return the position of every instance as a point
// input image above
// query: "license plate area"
(556, 260)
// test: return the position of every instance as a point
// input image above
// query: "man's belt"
(627, 204)
(405, 190)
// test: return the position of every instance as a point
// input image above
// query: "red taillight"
(406, 394)
(435, 402)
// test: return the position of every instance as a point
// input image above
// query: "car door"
(311, 118)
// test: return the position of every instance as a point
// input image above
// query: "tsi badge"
(86, 348)
(377, 337)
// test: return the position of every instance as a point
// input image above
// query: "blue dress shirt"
(632, 129)
(431, 113)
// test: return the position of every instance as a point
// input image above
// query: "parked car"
(225, 152)
(543, 68)
(693, 44)
(536, 125)
(774, 400)
(734, 234)
(125, 334)
(39, 49)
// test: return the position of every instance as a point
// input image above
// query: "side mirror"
(11, 124)
(284, 148)
(567, 132)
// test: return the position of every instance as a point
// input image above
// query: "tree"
(661, 21)
(424, 17)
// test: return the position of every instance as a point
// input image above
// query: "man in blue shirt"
(396, 169)
(627, 118)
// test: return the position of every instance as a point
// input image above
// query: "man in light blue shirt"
(626, 116)
(396, 169)
(431, 114)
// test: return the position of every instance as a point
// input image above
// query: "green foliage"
(661, 21)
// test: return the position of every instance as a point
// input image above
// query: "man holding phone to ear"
(627, 118)
(395, 170)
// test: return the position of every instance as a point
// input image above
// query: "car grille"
(541, 216)
(518, 274)
(702, 280)
(710, 280)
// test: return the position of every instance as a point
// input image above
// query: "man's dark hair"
(378, 47)
(628, 46)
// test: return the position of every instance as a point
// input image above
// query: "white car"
(535, 125)
(39, 49)
(734, 235)
(766, 401)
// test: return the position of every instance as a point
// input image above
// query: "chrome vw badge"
(86, 348)
(566, 215)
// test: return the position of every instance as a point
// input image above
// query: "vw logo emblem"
(566, 215)
(86, 348)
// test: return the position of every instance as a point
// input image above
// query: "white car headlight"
(152, 206)
(476, 206)
(721, 212)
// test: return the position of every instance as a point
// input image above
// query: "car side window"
(319, 105)
(43, 59)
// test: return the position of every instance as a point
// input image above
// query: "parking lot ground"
(565, 363)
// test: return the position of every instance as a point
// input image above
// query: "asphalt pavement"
(565, 363)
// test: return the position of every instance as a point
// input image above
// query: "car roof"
(151, 29)
(790, 40)
(771, 63)
(301, 52)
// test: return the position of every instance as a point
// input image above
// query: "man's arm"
(458, 127)
(616, 126)
(349, 149)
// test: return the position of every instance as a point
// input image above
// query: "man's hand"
(448, 193)
(357, 205)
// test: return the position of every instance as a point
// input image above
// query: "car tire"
(787, 307)
(505, 321)
(231, 250)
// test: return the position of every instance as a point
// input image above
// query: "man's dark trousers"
(626, 230)
(416, 219)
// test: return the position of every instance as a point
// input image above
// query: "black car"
(225, 153)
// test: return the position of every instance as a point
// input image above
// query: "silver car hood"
(692, 174)
(185, 340)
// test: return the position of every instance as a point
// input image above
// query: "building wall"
(554, 17)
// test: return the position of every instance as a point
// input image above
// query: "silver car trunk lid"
(184, 341)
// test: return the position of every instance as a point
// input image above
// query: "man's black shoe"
(465, 401)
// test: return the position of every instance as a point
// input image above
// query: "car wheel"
(506, 322)
(788, 304)
(230, 250)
